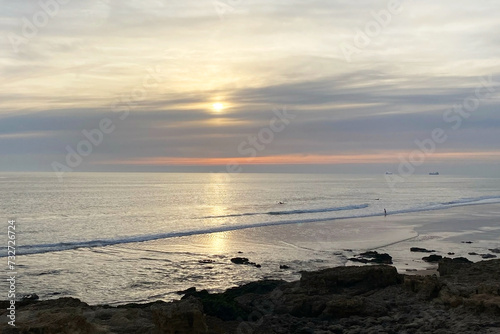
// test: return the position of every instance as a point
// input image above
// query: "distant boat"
(388, 173)
(434, 173)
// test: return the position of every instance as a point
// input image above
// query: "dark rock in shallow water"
(421, 250)
(473, 253)
(451, 253)
(376, 257)
(284, 266)
(369, 254)
(488, 256)
(239, 260)
(467, 242)
(32, 296)
(432, 258)
(495, 250)
(244, 260)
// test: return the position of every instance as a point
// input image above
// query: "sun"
(218, 106)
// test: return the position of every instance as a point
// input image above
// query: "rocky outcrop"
(373, 257)
(432, 258)
(465, 298)
(421, 250)
(244, 260)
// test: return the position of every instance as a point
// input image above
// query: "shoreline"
(403, 215)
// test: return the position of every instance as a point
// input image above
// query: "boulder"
(354, 279)
(421, 250)
(244, 260)
(239, 260)
(373, 257)
(449, 266)
(185, 316)
(426, 287)
(187, 291)
(488, 256)
(432, 258)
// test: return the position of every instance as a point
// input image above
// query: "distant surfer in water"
(385, 213)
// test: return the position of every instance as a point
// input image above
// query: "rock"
(284, 266)
(432, 258)
(244, 260)
(354, 259)
(370, 254)
(336, 280)
(239, 260)
(495, 250)
(206, 261)
(488, 256)
(467, 242)
(421, 250)
(473, 253)
(225, 305)
(32, 296)
(187, 291)
(449, 266)
(426, 287)
(373, 257)
(185, 316)
(451, 253)
(461, 260)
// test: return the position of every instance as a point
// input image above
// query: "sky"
(250, 85)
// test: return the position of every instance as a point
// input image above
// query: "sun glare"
(218, 107)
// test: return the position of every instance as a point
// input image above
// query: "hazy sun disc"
(218, 106)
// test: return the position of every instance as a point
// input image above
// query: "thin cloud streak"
(381, 158)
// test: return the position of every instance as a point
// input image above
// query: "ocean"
(136, 237)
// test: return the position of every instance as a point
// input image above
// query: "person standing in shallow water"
(385, 213)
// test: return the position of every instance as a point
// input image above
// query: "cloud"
(260, 55)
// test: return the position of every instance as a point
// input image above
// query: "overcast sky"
(357, 84)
